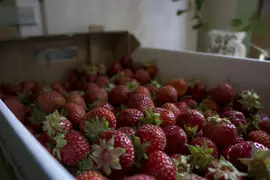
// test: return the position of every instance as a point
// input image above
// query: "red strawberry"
(200, 141)
(153, 70)
(95, 94)
(143, 90)
(172, 107)
(123, 80)
(49, 101)
(129, 117)
(160, 166)
(191, 121)
(119, 95)
(142, 76)
(236, 117)
(55, 124)
(75, 97)
(114, 68)
(209, 104)
(141, 177)
(260, 136)
(220, 130)
(90, 175)
(225, 151)
(71, 148)
(67, 85)
(102, 81)
(259, 121)
(127, 73)
(180, 85)
(74, 113)
(176, 139)
(127, 130)
(167, 94)
(114, 150)
(59, 88)
(102, 104)
(90, 86)
(126, 62)
(28, 86)
(11, 89)
(243, 150)
(181, 105)
(197, 90)
(153, 135)
(247, 102)
(192, 104)
(140, 101)
(16, 107)
(166, 116)
(222, 169)
(153, 87)
(222, 94)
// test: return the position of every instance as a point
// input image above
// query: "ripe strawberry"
(126, 62)
(27, 86)
(160, 166)
(222, 169)
(102, 81)
(153, 135)
(167, 94)
(71, 148)
(153, 87)
(180, 85)
(140, 101)
(166, 116)
(123, 80)
(87, 86)
(259, 121)
(127, 73)
(181, 105)
(247, 102)
(11, 89)
(49, 101)
(127, 130)
(172, 107)
(55, 124)
(67, 85)
(114, 68)
(74, 113)
(176, 139)
(76, 97)
(222, 94)
(141, 177)
(59, 88)
(90, 73)
(142, 76)
(208, 104)
(143, 90)
(200, 141)
(105, 105)
(119, 95)
(129, 117)
(191, 121)
(113, 150)
(192, 104)
(220, 130)
(153, 70)
(95, 94)
(243, 150)
(88, 175)
(260, 136)
(16, 107)
(197, 89)
(236, 117)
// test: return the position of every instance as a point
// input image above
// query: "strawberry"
(160, 166)
(67, 85)
(95, 94)
(16, 107)
(154, 135)
(172, 107)
(153, 70)
(114, 68)
(181, 105)
(55, 124)
(140, 101)
(126, 62)
(143, 90)
(102, 81)
(123, 80)
(153, 87)
(96, 121)
(141, 177)
(88, 175)
(113, 150)
(200, 141)
(167, 94)
(76, 97)
(197, 89)
(166, 116)
(236, 117)
(243, 150)
(260, 136)
(74, 113)
(192, 104)
(180, 85)
(176, 139)
(11, 89)
(222, 94)
(87, 86)
(142, 76)
(220, 130)
(129, 117)
(36, 118)
(90, 73)
(247, 102)
(59, 88)
(208, 104)
(30, 129)
(127, 130)
(259, 121)
(127, 73)
(191, 121)
(49, 101)
(105, 105)
(71, 148)
(222, 169)
(27, 86)
(119, 95)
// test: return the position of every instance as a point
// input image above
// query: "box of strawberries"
(98, 106)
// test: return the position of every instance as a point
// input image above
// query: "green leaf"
(180, 12)
(117, 152)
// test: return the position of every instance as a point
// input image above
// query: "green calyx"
(258, 164)
(151, 118)
(224, 169)
(182, 165)
(109, 87)
(106, 156)
(132, 86)
(191, 131)
(253, 122)
(140, 150)
(60, 143)
(90, 70)
(155, 82)
(216, 119)
(95, 127)
(86, 164)
(192, 82)
(116, 76)
(52, 124)
(250, 100)
(38, 116)
(200, 157)
(24, 98)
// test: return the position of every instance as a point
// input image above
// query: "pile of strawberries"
(120, 123)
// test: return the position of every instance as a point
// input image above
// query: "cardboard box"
(49, 59)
